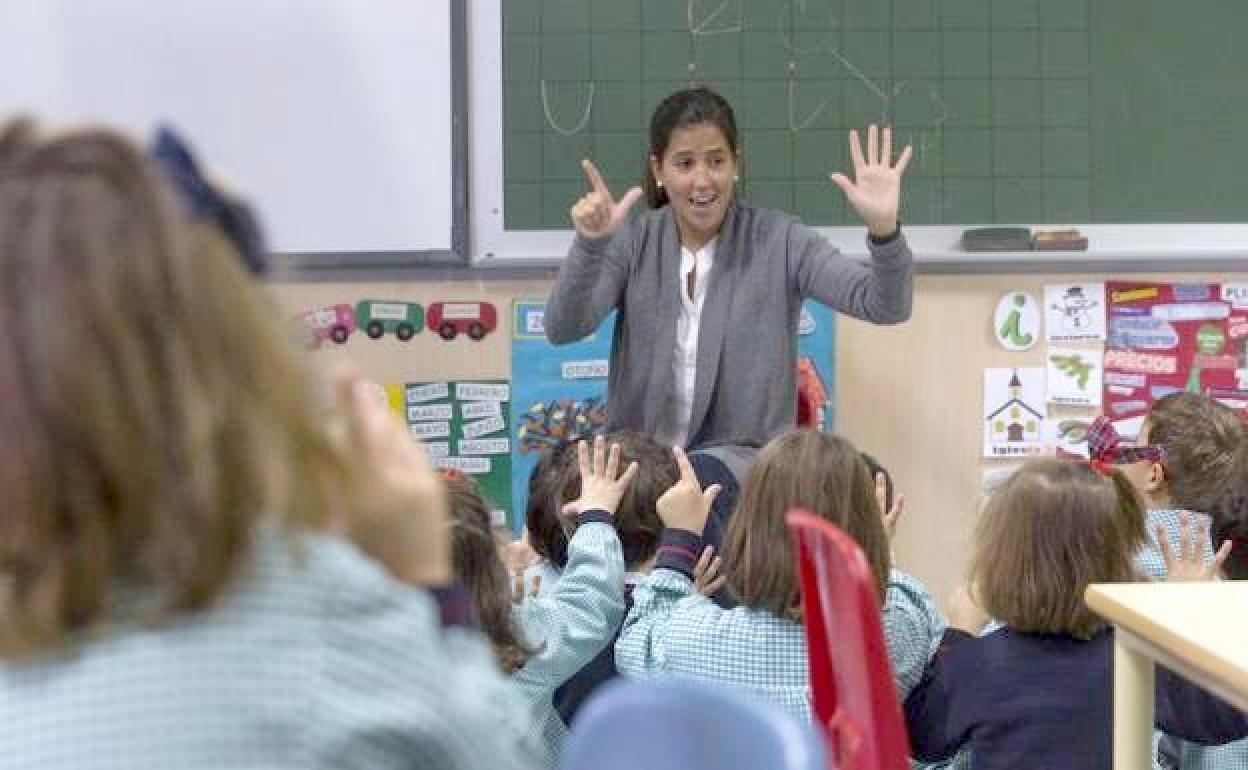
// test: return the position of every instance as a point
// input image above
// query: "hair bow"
(205, 202)
(1106, 448)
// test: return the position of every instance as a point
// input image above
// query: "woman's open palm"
(875, 190)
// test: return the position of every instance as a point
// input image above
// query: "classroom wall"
(909, 394)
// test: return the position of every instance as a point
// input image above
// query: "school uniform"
(571, 625)
(1173, 753)
(765, 264)
(1044, 701)
(580, 687)
(312, 657)
(673, 630)
(547, 575)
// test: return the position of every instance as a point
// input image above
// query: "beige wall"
(911, 395)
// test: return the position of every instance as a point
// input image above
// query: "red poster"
(1167, 337)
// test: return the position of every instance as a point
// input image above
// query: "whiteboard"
(333, 116)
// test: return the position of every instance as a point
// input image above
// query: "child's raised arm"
(684, 509)
(574, 622)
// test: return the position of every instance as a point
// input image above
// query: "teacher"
(708, 289)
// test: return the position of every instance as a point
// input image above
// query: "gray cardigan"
(766, 263)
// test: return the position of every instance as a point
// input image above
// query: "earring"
(736, 177)
(658, 183)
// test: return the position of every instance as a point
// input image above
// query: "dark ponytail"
(681, 110)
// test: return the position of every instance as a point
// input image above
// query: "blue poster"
(559, 392)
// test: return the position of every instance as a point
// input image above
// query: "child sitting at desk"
(1036, 692)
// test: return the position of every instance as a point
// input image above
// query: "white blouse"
(675, 429)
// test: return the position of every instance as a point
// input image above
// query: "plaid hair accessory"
(205, 202)
(1101, 467)
(1105, 447)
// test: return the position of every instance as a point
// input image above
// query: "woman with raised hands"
(709, 289)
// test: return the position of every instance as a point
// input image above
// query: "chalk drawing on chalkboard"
(789, 42)
(704, 27)
(550, 118)
(794, 123)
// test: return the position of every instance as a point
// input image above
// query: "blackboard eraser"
(996, 239)
(1066, 239)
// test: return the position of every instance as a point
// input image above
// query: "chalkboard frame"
(459, 254)
(1114, 247)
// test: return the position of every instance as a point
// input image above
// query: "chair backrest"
(850, 676)
(676, 724)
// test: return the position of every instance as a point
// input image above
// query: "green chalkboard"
(1020, 111)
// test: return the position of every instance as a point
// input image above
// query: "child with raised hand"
(639, 528)
(536, 561)
(193, 572)
(477, 567)
(567, 627)
(1036, 692)
(760, 645)
(1181, 463)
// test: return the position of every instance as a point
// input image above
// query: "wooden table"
(1195, 629)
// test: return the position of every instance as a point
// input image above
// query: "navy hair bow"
(206, 203)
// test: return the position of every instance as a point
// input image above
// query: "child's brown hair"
(153, 412)
(1199, 438)
(1054, 527)
(541, 514)
(1230, 518)
(637, 518)
(476, 564)
(800, 469)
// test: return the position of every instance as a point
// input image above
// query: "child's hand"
(517, 587)
(965, 613)
(400, 514)
(1189, 564)
(891, 515)
(685, 506)
(519, 555)
(706, 578)
(600, 488)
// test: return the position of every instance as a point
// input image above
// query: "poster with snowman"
(1074, 312)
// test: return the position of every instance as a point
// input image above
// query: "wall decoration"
(450, 319)
(1074, 376)
(1014, 412)
(380, 317)
(1169, 337)
(464, 426)
(1016, 322)
(1074, 312)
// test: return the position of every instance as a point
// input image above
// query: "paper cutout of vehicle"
(449, 319)
(377, 317)
(335, 323)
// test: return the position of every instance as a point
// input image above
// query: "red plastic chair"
(852, 680)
